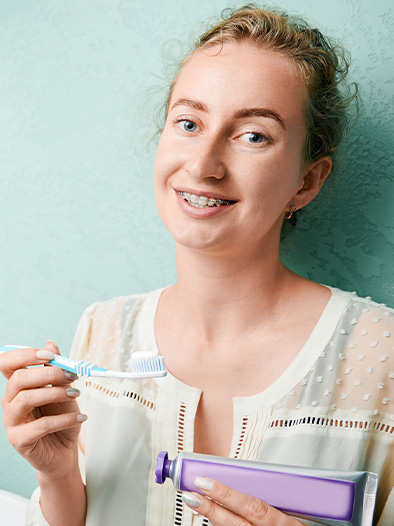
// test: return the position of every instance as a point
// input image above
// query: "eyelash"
(264, 138)
(183, 119)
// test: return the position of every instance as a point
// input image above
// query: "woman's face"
(235, 131)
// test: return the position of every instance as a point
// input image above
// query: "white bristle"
(141, 362)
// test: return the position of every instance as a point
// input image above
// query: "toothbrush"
(142, 365)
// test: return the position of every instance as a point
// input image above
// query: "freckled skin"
(218, 153)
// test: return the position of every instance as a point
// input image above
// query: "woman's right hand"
(41, 415)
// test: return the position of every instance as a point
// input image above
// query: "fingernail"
(191, 500)
(203, 483)
(71, 376)
(72, 392)
(82, 418)
(43, 354)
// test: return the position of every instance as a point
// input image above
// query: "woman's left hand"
(227, 507)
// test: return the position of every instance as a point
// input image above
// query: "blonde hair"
(323, 64)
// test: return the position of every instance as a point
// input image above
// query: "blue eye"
(253, 137)
(186, 125)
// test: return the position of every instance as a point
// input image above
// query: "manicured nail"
(191, 500)
(43, 354)
(71, 376)
(72, 392)
(203, 483)
(82, 418)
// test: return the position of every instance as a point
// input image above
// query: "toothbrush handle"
(64, 363)
(80, 368)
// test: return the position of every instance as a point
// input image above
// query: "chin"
(196, 238)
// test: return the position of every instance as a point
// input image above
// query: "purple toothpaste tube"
(331, 497)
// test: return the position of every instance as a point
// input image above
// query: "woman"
(263, 364)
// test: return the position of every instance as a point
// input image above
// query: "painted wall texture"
(79, 86)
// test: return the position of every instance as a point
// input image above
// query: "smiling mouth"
(201, 201)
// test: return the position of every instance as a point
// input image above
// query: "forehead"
(239, 75)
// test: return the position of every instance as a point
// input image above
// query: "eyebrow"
(239, 114)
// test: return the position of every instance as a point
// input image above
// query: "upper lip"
(212, 195)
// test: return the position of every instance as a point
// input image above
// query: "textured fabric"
(332, 408)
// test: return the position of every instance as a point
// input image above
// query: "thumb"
(51, 346)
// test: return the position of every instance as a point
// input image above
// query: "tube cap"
(162, 467)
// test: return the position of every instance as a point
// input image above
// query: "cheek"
(165, 161)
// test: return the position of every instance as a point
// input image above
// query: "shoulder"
(363, 307)
(106, 327)
(366, 324)
(118, 306)
(364, 341)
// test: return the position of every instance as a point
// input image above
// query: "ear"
(314, 175)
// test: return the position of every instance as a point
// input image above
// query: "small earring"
(290, 212)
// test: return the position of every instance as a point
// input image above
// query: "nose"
(206, 160)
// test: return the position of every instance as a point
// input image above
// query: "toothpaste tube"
(331, 497)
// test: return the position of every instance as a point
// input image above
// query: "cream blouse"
(332, 408)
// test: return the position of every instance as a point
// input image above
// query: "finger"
(51, 346)
(213, 511)
(11, 361)
(24, 379)
(223, 498)
(21, 408)
(22, 437)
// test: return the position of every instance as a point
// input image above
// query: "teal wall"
(78, 222)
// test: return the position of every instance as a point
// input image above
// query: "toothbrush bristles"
(140, 363)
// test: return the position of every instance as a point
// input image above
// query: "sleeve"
(34, 516)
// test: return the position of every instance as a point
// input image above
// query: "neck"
(236, 293)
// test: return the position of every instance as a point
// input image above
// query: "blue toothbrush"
(142, 365)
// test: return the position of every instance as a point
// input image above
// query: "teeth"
(201, 201)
